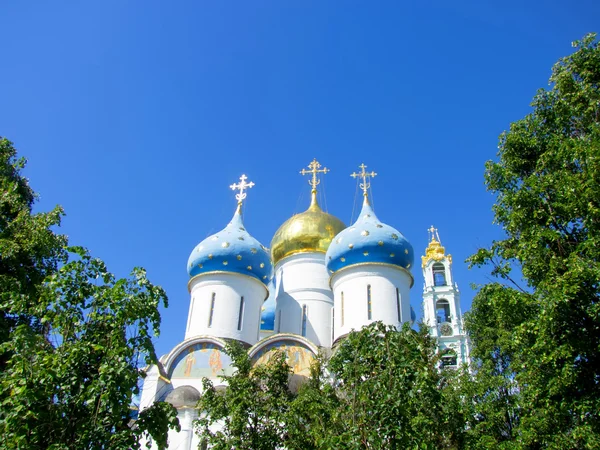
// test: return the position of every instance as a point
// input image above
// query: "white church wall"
(154, 386)
(389, 288)
(185, 439)
(216, 303)
(303, 281)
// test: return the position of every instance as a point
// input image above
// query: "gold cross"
(242, 185)
(314, 167)
(365, 185)
(433, 233)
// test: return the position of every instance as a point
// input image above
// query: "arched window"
(369, 305)
(398, 308)
(449, 358)
(439, 274)
(332, 323)
(212, 309)
(191, 313)
(241, 314)
(304, 319)
(442, 308)
(260, 324)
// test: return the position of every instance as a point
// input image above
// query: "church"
(318, 281)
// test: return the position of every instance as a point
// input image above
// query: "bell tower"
(441, 303)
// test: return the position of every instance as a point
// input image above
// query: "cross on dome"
(365, 185)
(434, 249)
(314, 167)
(241, 186)
(433, 234)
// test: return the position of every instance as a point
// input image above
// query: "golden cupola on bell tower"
(434, 251)
(310, 231)
(441, 303)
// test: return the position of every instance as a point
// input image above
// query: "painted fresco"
(204, 359)
(299, 358)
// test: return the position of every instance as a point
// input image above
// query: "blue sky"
(137, 116)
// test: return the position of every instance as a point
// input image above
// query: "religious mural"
(204, 359)
(299, 358)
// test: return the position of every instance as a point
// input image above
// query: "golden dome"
(310, 231)
(434, 250)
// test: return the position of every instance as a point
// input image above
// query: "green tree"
(385, 389)
(381, 388)
(496, 313)
(312, 417)
(29, 249)
(538, 345)
(251, 412)
(72, 335)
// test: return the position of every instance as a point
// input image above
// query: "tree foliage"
(251, 412)
(382, 388)
(538, 345)
(72, 334)
(385, 390)
(29, 249)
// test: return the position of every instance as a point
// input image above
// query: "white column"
(153, 387)
(186, 418)
(302, 286)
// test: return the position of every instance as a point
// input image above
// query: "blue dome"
(369, 241)
(231, 250)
